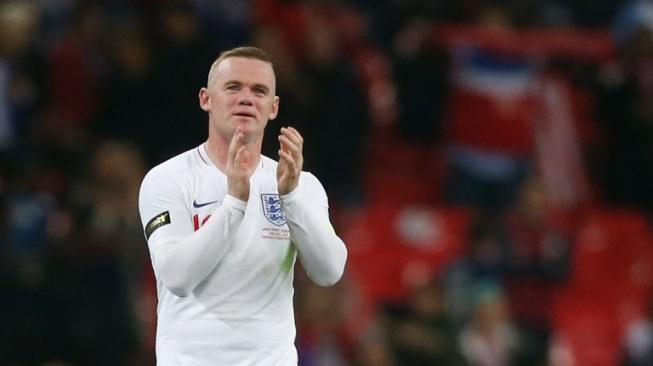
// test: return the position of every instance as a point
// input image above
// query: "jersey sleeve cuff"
(235, 203)
(291, 196)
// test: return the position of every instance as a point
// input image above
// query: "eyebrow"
(257, 85)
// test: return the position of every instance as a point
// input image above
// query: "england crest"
(272, 209)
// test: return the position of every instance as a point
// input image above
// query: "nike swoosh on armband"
(198, 205)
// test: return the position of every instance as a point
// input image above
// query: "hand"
(290, 160)
(238, 167)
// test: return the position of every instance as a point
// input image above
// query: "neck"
(217, 148)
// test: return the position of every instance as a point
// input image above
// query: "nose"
(245, 97)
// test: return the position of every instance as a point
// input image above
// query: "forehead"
(246, 70)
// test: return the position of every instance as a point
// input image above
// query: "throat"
(218, 153)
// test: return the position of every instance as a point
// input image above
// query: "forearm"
(183, 263)
(322, 253)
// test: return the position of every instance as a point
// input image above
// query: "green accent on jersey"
(289, 261)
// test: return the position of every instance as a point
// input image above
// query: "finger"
(288, 159)
(282, 167)
(296, 151)
(293, 135)
(241, 157)
(234, 146)
(282, 145)
(293, 131)
(289, 145)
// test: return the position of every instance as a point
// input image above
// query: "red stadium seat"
(614, 255)
(590, 334)
(610, 285)
(393, 248)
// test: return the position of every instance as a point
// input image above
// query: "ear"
(275, 108)
(205, 99)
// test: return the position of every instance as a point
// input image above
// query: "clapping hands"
(290, 160)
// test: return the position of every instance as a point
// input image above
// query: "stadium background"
(489, 164)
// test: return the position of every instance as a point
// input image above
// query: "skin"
(240, 98)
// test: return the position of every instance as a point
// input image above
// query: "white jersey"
(224, 267)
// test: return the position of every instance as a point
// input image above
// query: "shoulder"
(310, 179)
(307, 180)
(169, 173)
(312, 188)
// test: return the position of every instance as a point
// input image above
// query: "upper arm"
(164, 212)
(314, 191)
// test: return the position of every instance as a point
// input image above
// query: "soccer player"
(225, 224)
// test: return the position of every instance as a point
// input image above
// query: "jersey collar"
(201, 150)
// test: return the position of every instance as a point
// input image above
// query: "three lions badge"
(272, 209)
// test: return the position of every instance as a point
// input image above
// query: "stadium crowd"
(490, 160)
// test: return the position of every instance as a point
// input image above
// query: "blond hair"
(244, 52)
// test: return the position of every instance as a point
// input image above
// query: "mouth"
(245, 115)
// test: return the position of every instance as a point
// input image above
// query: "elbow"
(179, 291)
(327, 281)
(172, 275)
(177, 287)
(331, 275)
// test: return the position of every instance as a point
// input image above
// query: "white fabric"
(225, 290)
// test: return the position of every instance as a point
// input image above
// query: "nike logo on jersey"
(198, 205)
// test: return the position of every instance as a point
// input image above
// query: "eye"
(260, 91)
(232, 87)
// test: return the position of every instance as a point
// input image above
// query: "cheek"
(266, 106)
(224, 105)
(260, 106)
(226, 101)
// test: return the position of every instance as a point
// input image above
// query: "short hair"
(244, 52)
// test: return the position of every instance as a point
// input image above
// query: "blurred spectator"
(98, 262)
(489, 120)
(638, 347)
(128, 99)
(592, 13)
(291, 85)
(391, 17)
(625, 109)
(75, 73)
(117, 169)
(374, 348)
(176, 122)
(76, 67)
(336, 120)
(295, 18)
(327, 97)
(538, 260)
(421, 333)
(485, 261)
(420, 72)
(489, 338)
(322, 339)
(228, 22)
(26, 208)
(288, 17)
(22, 72)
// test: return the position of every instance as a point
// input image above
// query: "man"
(224, 225)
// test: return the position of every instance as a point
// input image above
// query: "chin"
(250, 129)
(245, 123)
